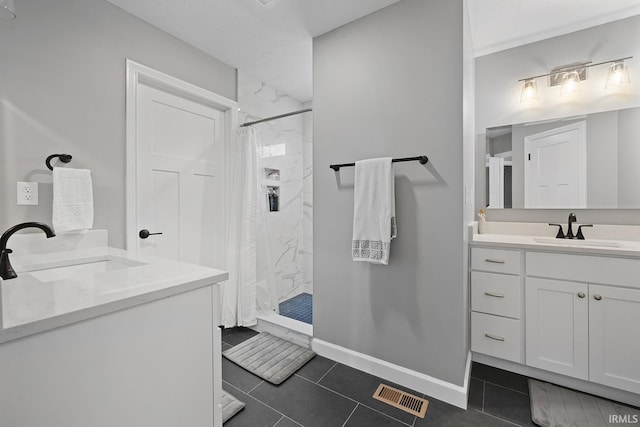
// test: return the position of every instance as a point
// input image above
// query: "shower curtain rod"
(293, 113)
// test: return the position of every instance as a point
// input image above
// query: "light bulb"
(529, 91)
(570, 83)
(618, 75)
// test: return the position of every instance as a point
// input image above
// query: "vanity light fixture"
(570, 83)
(529, 91)
(618, 75)
(7, 9)
(568, 77)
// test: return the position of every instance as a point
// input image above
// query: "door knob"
(581, 295)
(144, 233)
(597, 297)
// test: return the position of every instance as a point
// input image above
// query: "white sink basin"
(82, 268)
(578, 243)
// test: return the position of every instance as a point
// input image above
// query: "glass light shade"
(618, 75)
(570, 83)
(7, 10)
(529, 91)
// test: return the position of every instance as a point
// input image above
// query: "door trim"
(138, 74)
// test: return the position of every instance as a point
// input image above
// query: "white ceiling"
(274, 43)
(502, 24)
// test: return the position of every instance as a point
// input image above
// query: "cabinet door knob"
(597, 297)
(581, 295)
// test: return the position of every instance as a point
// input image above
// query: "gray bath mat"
(271, 358)
(554, 406)
(230, 406)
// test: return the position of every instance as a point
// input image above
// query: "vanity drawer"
(496, 336)
(584, 268)
(496, 294)
(495, 260)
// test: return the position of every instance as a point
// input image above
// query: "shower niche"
(273, 198)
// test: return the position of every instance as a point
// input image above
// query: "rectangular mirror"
(581, 162)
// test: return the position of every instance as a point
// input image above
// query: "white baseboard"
(433, 387)
(297, 332)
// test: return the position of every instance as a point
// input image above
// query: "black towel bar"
(64, 158)
(422, 159)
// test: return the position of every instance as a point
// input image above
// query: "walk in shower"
(285, 180)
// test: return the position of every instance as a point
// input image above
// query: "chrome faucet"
(6, 270)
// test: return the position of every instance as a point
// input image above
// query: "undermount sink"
(573, 242)
(82, 268)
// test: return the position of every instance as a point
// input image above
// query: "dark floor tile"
(316, 368)
(226, 346)
(507, 404)
(254, 414)
(234, 336)
(361, 386)
(239, 377)
(442, 414)
(286, 422)
(305, 402)
(476, 391)
(364, 416)
(500, 377)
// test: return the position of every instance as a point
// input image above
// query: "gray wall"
(628, 158)
(390, 84)
(62, 89)
(498, 96)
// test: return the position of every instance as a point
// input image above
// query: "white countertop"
(601, 240)
(30, 305)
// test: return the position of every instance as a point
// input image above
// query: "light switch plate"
(27, 193)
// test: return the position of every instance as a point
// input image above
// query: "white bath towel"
(72, 200)
(374, 211)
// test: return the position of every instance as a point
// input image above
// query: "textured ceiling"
(502, 24)
(274, 43)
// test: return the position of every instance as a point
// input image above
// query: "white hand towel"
(374, 211)
(72, 200)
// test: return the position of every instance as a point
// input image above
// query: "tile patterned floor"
(298, 308)
(327, 393)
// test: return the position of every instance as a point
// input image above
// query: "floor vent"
(402, 400)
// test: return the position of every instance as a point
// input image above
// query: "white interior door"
(555, 172)
(496, 182)
(180, 177)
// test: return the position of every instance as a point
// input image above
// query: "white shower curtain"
(248, 263)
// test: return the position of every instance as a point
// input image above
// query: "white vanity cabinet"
(496, 285)
(156, 364)
(582, 317)
(557, 328)
(558, 312)
(614, 337)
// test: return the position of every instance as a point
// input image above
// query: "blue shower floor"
(298, 308)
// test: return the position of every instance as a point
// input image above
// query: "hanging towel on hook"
(72, 200)
(374, 211)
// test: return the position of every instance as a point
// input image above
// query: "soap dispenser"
(482, 222)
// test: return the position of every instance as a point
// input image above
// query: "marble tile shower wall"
(283, 147)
